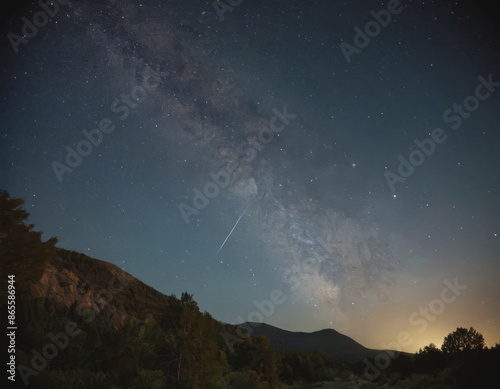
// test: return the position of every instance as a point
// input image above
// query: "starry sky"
(338, 159)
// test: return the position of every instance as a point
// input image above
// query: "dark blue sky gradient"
(190, 95)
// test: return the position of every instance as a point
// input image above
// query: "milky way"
(352, 183)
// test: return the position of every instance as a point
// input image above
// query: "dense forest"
(130, 336)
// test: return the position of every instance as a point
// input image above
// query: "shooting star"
(235, 224)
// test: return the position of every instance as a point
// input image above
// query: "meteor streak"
(235, 224)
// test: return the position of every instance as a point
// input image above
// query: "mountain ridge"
(327, 340)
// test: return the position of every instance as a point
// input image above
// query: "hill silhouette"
(328, 341)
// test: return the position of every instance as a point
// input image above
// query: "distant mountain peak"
(327, 340)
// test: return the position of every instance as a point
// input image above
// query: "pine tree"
(17, 239)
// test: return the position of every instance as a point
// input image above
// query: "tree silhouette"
(429, 359)
(17, 239)
(463, 340)
(430, 350)
(189, 349)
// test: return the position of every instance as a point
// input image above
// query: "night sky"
(354, 184)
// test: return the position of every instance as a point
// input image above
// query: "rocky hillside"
(69, 278)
